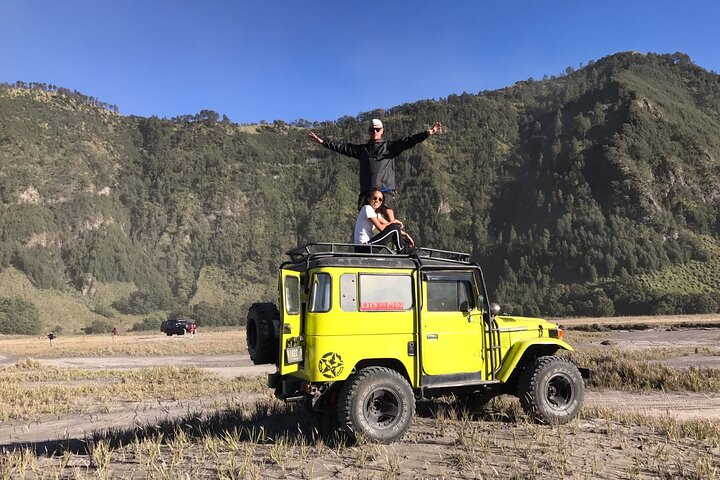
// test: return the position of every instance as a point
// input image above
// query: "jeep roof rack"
(313, 250)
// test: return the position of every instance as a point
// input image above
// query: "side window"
(292, 295)
(449, 295)
(348, 292)
(385, 293)
(320, 294)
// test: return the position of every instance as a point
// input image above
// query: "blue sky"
(321, 60)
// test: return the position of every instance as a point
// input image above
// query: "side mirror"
(494, 309)
(480, 302)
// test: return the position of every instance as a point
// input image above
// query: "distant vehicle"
(175, 326)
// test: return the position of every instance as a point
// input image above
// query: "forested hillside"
(592, 193)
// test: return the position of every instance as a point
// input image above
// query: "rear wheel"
(376, 403)
(551, 390)
(262, 340)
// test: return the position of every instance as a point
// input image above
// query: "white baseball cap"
(375, 123)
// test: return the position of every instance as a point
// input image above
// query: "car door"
(452, 325)
(291, 353)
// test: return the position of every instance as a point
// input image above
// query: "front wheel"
(551, 390)
(376, 403)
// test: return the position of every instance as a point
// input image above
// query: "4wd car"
(174, 327)
(361, 337)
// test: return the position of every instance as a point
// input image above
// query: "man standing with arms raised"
(377, 158)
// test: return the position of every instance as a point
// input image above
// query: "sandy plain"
(621, 434)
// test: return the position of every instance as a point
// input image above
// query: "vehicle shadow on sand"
(262, 422)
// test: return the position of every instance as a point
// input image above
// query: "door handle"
(432, 336)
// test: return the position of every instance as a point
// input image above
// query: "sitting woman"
(374, 214)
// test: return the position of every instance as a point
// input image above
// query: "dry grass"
(638, 370)
(138, 345)
(31, 389)
(269, 439)
(631, 322)
(273, 440)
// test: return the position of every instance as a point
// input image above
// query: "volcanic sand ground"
(425, 441)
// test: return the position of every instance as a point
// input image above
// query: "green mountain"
(590, 193)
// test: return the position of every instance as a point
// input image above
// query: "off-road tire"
(551, 390)
(377, 404)
(262, 340)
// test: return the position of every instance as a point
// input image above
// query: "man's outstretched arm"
(434, 129)
(345, 148)
(403, 144)
(315, 138)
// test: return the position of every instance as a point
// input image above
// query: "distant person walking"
(114, 333)
(377, 158)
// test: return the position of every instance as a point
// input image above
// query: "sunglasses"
(379, 199)
(375, 129)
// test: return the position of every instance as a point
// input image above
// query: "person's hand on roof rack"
(408, 239)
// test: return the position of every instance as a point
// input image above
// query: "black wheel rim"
(559, 391)
(382, 408)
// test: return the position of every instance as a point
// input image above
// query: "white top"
(375, 231)
(363, 225)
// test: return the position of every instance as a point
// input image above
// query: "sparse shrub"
(99, 326)
(580, 301)
(42, 266)
(104, 310)
(206, 314)
(19, 316)
(667, 305)
(27, 364)
(148, 323)
(530, 310)
(700, 303)
(141, 302)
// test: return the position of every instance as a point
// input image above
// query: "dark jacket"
(377, 160)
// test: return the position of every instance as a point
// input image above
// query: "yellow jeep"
(361, 336)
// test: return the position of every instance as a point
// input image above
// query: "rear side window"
(321, 292)
(385, 293)
(292, 295)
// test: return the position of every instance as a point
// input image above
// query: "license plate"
(293, 354)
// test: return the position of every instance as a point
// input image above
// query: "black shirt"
(377, 160)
